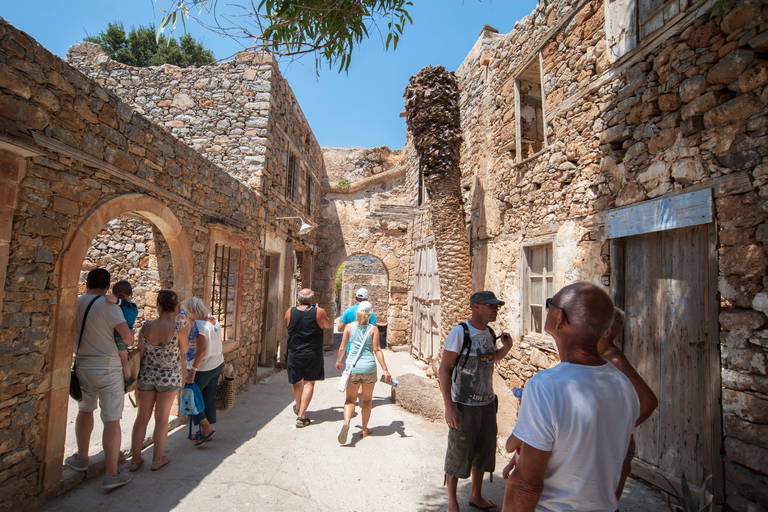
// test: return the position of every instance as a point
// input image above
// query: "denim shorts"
(104, 388)
(144, 387)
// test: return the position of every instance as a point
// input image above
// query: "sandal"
(135, 464)
(302, 422)
(157, 464)
(295, 410)
(200, 440)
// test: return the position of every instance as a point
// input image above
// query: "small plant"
(685, 497)
(343, 183)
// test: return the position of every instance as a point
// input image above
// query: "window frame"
(233, 242)
(292, 176)
(547, 276)
(536, 59)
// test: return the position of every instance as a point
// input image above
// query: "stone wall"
(131, 250)
(355, 220)
(371, 275)
(685, 109)
(73, 157)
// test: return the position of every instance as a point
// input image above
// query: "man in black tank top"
(304, 360)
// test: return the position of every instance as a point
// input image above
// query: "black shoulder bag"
(74, 383)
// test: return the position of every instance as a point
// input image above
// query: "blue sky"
(358, 109)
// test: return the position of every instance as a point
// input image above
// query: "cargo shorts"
(473, 444)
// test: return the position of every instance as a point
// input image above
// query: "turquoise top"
(367, 362)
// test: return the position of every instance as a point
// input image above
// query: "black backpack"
(465, 349)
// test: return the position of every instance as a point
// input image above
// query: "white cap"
(365, 306)
(362, 293)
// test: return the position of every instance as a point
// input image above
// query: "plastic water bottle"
(392, 383)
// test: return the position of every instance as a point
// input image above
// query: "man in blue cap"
(466, 382)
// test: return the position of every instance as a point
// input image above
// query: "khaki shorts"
(104, 388)
(473, 444)
(362, 378)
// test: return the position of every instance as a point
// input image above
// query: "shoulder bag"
(74, 383)
(345, 374)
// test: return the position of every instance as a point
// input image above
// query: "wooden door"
(425, 331)
(668, 302)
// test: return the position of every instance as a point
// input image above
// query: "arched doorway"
(68, 269)
(363, 271)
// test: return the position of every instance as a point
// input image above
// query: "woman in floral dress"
(161, 341)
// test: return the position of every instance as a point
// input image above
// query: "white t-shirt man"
(97, 350)
(584, 416)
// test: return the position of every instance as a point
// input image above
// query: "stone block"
(740, 290)
(740, 16)
(692, 125)
(23, 112)
(747, 406)
(656, 172)
(749, 455)
(630, 193)
(639, 113)
(740, 160)
(688, 171)
(759, 42)
(740, 381)
(749, 483)
(735, 110)
(750, 360)
(692, 87)
(733, 319)
(732, 236)
(670, 102)
(664, 140)
(754, 78)
(745, 431)
(700, 105)
(730, 67)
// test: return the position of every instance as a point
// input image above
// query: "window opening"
(540, 286)
(652, 14)
(308, 208)
(529, 107)
(224, 289)
(293, 178)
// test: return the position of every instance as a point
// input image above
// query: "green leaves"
(143, 47)
(328, 28)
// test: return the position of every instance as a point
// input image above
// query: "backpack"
(465, 349)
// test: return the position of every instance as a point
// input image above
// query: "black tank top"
(307, 334)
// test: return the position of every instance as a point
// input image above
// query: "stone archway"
(68, 272)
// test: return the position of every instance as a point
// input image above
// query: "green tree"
(142, 48)
(328, 28)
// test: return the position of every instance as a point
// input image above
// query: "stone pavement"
(259, 461)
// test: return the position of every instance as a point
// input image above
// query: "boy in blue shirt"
(123, 291)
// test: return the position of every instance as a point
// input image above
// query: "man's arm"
(288, 317)
(444, 373)
(322, 319)
(526, 482)
(341, 327)
(126, 333)
(506, 346)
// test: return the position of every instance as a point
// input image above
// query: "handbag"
(191, 403)
(74, 383)
(344, 380)
(225, 393)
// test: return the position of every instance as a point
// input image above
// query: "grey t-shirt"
(473, 384)
(97, 350)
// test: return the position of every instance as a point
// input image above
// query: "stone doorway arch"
(67, 271)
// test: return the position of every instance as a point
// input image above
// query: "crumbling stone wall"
(74, 157)
(355, 220)
(131, 250)
(372, 276)
(686, 109)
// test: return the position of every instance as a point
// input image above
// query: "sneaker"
(122, 477)
(77, 464)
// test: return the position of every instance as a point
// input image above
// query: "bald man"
(304, 361)
(577, 417)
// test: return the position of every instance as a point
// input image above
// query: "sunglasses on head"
(551, 303)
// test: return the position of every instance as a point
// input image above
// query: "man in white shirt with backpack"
(466, 382)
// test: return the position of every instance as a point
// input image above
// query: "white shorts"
(104, 388)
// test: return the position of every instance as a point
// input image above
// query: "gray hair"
(308, 298)
(195, 309)
(589, 309)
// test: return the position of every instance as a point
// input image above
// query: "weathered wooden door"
(668, 337)
(425, 329)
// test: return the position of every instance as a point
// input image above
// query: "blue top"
(367, 362)
(349, 315)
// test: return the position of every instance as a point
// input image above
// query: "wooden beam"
(691, 209)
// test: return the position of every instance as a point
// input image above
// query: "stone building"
(624, 143)
(76, 156)
(367, 272)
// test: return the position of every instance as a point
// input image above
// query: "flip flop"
(488, 508)
(157, 464)
(343, 434)
(135, 464)
(201, 440)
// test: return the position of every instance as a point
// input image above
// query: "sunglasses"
(492, 306)
(550, 302)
